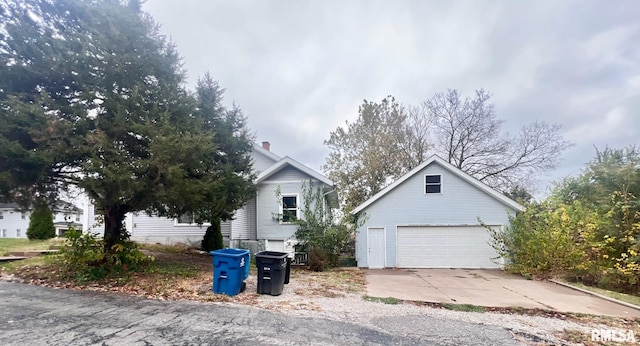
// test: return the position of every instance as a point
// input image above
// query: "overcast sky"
(299, 69)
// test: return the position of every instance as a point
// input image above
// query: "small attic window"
(433, 183)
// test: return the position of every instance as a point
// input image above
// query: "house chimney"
(266, 145)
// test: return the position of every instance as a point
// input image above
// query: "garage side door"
(444, 247)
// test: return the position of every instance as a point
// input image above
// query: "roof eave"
(464, 176)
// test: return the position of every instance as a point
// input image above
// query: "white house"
(254, 225)
(429, 218)
(14, 221)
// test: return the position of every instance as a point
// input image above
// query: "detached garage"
(430, 218)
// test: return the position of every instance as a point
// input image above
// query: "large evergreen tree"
(92, 95)
(232, 160)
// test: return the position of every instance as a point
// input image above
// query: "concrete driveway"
(493, 288)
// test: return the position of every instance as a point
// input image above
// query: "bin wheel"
(243, 287)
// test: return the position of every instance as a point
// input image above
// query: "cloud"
(300, 69)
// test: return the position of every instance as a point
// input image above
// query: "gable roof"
(451, 168)
(266, 152)
(287, 161)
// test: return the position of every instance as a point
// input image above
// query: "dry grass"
(8, 245)
(628, 298)
(333, 283)
(339, 280)
(179, 273)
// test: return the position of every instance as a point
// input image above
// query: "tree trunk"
(113, 226)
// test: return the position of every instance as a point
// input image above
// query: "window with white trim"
(18, 233)
(1, 215)
(289, 208)
(433, 183)
(4, 233)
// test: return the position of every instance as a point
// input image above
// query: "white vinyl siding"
(287, 174)
(251, 219)
(243, 226)
(145, 226)
(261, 162)
(239, 229)
(268, 225)
(225, 228)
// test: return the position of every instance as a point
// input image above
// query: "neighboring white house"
(254, 225)
(429, 219)
(14, 221)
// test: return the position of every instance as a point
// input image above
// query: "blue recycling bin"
(230, 269)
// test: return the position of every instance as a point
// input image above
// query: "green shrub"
(41, 223)
(83, 256)
(212, 238)
(80, 254)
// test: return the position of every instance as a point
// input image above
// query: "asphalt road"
(33, 315)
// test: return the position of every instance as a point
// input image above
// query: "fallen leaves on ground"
(183, 274)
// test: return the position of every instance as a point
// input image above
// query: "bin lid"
(272, 254)
(229, 252)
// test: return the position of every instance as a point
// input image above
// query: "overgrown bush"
(82, 256)
(41, 223)
(317, 259)
(540, 242)
(318, 233)
(587, 230)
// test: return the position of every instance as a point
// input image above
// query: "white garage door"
(444, 247)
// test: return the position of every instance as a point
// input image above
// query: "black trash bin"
(272, 271)
(288, 271)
